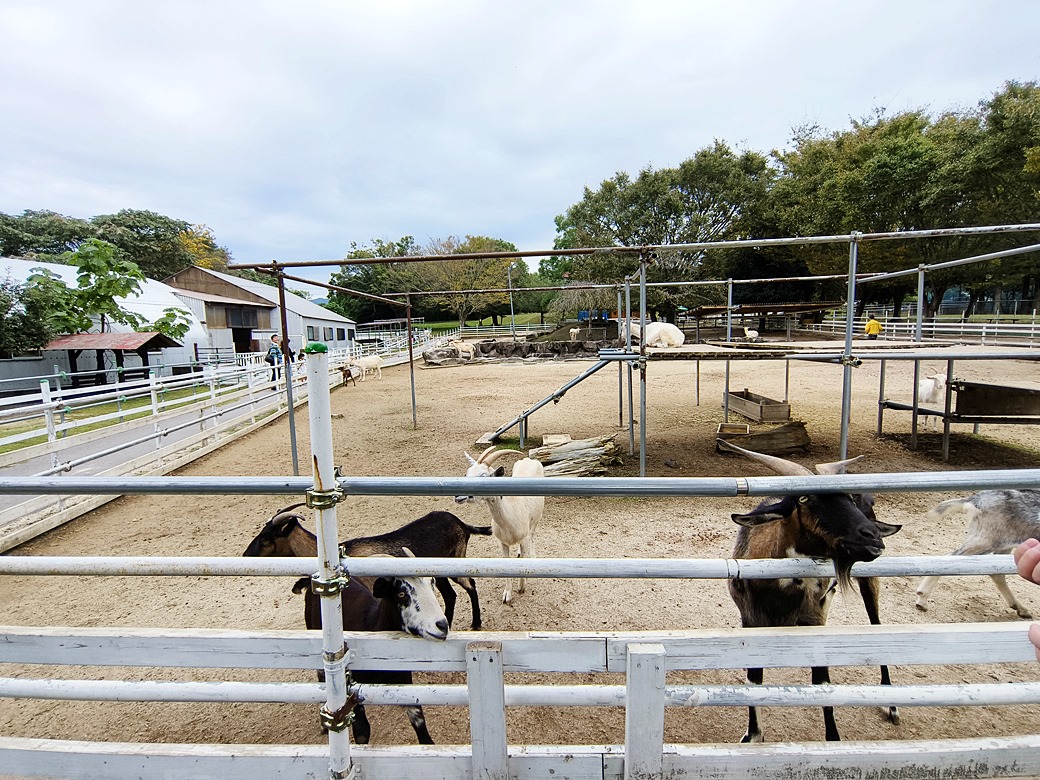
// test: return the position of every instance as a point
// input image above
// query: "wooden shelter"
(118, 344)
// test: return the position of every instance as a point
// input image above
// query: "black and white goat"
(998, 521)
(434, 535)
(513, 518)
(836, 526)
(405, 604)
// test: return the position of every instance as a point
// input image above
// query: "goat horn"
(837, 467)
(285, 514)
(785, 468)
(485, 453)
(496, 455)
(408, 552)
(469, 457)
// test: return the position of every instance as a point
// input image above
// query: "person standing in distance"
(274, 357)
(873, 328)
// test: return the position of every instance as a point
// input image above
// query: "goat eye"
(401, 595)
(803, 499)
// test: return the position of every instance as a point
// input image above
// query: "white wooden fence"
(643, 657)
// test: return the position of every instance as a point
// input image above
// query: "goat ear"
(470, 458)
(750, 521)
(500, 471)
(383, 588)
(887, 529)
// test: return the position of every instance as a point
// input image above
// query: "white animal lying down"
(658, 334)
(370, 364)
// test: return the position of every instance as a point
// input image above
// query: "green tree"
(23, 319)
(458, 277)
(150, 240)
(41, 233)
(374, 279)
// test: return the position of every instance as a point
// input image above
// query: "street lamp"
(512, 316)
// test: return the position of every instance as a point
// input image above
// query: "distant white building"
(240, 314)
(151, 303)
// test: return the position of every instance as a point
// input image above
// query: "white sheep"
(658, 334)
(513, 518)
(370, 364)
(932, 390)
(574, 333)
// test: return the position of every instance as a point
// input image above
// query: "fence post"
(487, 710)
(644, 711)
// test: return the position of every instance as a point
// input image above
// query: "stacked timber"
(581, 458)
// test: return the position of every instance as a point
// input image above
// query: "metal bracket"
(331, 658)
(353, 774)
(323, 499)
(340, 719)
(851, 360)
(329, 587)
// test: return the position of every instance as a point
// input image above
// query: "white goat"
(749, 334)
(465, 349)
(370, 364)
(513, 518)
(998, 521)
(931, 390)
(574, 333)
(658, 334)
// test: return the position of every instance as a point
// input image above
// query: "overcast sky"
(294, 129)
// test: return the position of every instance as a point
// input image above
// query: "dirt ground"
(374, 435)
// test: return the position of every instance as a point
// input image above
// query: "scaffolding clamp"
(332, 586)
(340, 719)
(323, 499)
(851, 360)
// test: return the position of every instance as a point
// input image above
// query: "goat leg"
(869, 590)
(469, 585)
(361, 728)
(1009, 598)
(448, 594)
(754, 731)
(821, 675)
(418, 721)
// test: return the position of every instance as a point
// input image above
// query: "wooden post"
(487, 710)
(644, 712)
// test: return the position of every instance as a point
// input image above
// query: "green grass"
(526, 318)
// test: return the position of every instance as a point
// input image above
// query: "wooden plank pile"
(582, 458)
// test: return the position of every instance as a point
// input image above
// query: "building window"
(350, 334)
(328, 334)
(312, 333)
(240, 317)
(341, 334)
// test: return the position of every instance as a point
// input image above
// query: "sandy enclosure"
(374, 435)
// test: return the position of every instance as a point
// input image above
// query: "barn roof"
(128, 342)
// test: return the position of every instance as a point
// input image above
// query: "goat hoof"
(507, 597)
(1024, 614)
(891, 715)
(921, 605)
(749, 738)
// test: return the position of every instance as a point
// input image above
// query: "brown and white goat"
(836, 526)
(434, 535)
(998, 521)
(513, 518)
(393, 604)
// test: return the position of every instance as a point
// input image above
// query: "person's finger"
(1034, 637)
(1027, 561)
(1028, 544)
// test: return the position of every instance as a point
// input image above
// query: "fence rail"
(994, 332)
(643, 658)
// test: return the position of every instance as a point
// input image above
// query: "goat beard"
(843, 571)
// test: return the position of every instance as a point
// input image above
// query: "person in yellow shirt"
(873, 327)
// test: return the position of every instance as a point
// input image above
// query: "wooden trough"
(758, 407)
(774, 439)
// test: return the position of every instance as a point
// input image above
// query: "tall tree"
(41, 233)
(374, 279)
(457, 277)
(148, 239)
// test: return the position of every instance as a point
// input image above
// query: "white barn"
(154, 298)
(241, 315)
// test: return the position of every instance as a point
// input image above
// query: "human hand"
(1027, 559)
